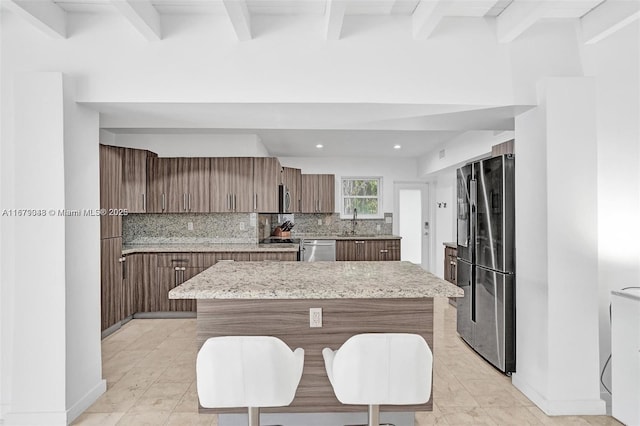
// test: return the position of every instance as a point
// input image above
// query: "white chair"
(383, 368)
(247, 371)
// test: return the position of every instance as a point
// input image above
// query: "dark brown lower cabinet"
(371, 250)
(142, 277)
(111, 281)
(283, 256)
(140, 282)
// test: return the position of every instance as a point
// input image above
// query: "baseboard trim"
(580, 407)
(172, 314)
(86, 401)
(51, 418)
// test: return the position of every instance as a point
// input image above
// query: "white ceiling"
(343, 129)
(347, 130)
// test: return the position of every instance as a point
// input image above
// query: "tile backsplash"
(331, 224)
(240, 228)
(170, 228)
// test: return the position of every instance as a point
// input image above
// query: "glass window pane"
(366, 206)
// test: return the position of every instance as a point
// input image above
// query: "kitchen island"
(275, 298)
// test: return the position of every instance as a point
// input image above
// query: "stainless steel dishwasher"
(318, 250)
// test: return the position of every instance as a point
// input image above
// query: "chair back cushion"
(247, 371)
(383, 368)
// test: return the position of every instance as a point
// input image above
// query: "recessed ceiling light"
(396, 146)
(319, 146)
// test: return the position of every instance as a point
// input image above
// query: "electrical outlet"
(319, 221)
(190, 226)
(253, 218)
(315, 317)
(388, 219)
(378, 227)
(242, 226)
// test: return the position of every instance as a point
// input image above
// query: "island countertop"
(314, 280)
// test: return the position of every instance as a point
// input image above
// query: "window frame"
(379, 215)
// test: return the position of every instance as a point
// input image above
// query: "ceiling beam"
(238, 13)
(45, 15)
(608, 18)
(334, 17)
(142, 15)
(518, 17)
(427, 16)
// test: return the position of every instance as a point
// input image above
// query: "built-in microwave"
(284, 199)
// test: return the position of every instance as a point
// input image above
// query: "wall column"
(557, 259)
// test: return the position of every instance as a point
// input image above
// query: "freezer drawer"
(494, 326)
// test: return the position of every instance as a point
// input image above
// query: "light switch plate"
(242, 226)
(319, 221)
(190, 226)
(388, 219)
(315, 317)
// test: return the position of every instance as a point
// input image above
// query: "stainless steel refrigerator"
(486, 259)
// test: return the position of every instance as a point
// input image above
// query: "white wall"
(444, 219)
(460, 150)
(84, 382)
(557, 353)
(615, 63)
(37, 364)
(193, 145)
(391, 169)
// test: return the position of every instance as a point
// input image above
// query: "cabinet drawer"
(192, 260)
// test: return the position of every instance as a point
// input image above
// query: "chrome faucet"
(353, 221)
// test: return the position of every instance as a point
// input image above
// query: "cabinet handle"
(163, 204)
(189, 205)
(317, 205)
(234, 202)
(359, 242)
(300, 204)
(228, 202)
(144, 202)
(255, 201)
(176, 270)
(384, 251)
(184, 201)
(122, 262)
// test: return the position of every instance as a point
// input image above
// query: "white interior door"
(411, 222)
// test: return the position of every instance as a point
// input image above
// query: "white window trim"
(380, 214)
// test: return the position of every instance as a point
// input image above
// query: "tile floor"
(149, 368)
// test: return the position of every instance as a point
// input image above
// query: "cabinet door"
(142, 276)
(220, 185)
(128, 288)
(309, 192)
(242, 184)
(393, 247)
(110, 281)
(134, 180)
(174, 182)
(198, 186)
(292, 179)
(275, 256)
(110, 190)
(156, 199)
(349, 250)
(374, 250)
(167, 279)
(326, 193)
(266, 177)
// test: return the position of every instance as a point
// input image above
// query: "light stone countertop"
(314, 280)
(208, 247)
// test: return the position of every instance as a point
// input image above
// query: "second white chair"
(383, 368)
(247, 371)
